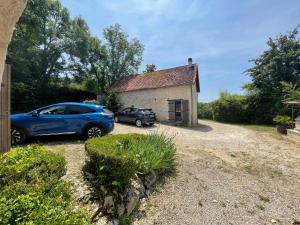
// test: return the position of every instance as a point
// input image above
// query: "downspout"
(192, 105)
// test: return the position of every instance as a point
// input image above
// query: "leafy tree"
(230, 108)
(123, 57)
(37, 50)
(292, 92)
(150, 68)
(279, 63)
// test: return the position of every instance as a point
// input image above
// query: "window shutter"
(171, 110)
(185, 111)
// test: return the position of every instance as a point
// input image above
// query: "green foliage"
(123, 57)
(283, 119)
(230, 108)
(115, 159)
(150, 68)
(113, 167)
(112, 102)
(125, 220)
(291, 91)
(32, 191)
(49, 50)
(152, 152)
(278, 65)
(205, 111)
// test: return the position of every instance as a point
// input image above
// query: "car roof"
(79, 104)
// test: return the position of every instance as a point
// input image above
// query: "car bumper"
(149, 120)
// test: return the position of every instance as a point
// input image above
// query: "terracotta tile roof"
(178, 76)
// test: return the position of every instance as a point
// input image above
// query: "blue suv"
(63, 118)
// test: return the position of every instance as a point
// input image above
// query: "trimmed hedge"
(115, 159)
(112, 166)
(32, 191)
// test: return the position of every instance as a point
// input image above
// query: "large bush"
(205, 111)
(115, 159)
(32, 191)
(230, 108)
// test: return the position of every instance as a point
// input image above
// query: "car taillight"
(107, 115)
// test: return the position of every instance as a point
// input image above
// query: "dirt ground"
(226, 174)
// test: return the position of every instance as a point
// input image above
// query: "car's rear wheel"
(117, 120)
(94, 131)
(18, 136)
(138, 123)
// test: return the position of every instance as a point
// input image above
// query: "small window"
(75, 109)
(53, 110)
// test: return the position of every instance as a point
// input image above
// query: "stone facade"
(157, 99)
(10, 11)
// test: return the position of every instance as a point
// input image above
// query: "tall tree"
(123, 56)
(280, 63)
(150, 68)
(38, 43)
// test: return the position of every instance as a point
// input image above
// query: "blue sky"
(220, 35)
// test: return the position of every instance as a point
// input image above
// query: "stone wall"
(157, 99)
(10, 11)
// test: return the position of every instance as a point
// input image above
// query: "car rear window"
(146, 110)
(76, 109)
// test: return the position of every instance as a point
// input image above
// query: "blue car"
(63, 118)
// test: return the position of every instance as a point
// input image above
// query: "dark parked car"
(63, 118)
(137, 115)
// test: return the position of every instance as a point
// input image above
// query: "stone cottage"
(171, 93)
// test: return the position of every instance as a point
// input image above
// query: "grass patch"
(264, 198)
(260, 207)
(261, 128)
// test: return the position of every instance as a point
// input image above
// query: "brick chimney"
(190, 61)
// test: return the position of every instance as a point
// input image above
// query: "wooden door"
(5, 110)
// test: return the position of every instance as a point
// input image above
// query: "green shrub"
(115, 159)
(152, 152)
(230, 108)
(283, 119)
(32, 191)
(205, 111)
(111, 165)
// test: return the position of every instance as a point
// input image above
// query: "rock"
(147, 192)
(90, 176)
(151, 179)
(109, 204)
(114, 222)
(273, 221)
(215, 201)
(133, 196)
(138, 185)
(120, 209)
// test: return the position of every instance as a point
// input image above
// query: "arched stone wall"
(10, 11)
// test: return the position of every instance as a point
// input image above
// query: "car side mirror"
(35, 114)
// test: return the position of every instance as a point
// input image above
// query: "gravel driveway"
(226, 174)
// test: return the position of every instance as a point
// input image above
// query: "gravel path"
(226, 174)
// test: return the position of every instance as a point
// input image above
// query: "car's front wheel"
(18, 136)
(94, 131)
